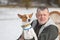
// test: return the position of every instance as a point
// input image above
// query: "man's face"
(42, 16)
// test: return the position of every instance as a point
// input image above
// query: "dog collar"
(27, 28)
(26, 25)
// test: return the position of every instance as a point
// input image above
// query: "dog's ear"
(30, 15)
(19, 15)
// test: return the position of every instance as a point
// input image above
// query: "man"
(44, 27)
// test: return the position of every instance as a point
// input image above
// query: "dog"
(28, 31)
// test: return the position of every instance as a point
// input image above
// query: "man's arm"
(49, 33)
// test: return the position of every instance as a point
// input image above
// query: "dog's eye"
(30, 16)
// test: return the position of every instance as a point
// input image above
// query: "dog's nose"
(29, 20)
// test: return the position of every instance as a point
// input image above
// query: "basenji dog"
(28, 31)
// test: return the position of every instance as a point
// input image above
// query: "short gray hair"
(42, 8)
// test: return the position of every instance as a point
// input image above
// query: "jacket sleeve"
(34, 23)
(49, 33)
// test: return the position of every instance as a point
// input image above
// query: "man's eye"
(39, 15)
(44, 14)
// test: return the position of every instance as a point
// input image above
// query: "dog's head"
(25, 17)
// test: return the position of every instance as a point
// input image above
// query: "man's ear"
(19, 15)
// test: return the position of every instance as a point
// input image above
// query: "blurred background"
(32, 3)
(10, 23)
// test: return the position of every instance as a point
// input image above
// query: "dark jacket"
(48, 33)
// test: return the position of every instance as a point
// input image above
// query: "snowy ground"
(10, 24)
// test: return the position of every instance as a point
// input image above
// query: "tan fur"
(24, 17)
(55, 12)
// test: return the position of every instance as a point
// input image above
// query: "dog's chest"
(28, 30)
(28, 33)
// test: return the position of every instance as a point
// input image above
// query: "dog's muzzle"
(28, 20)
